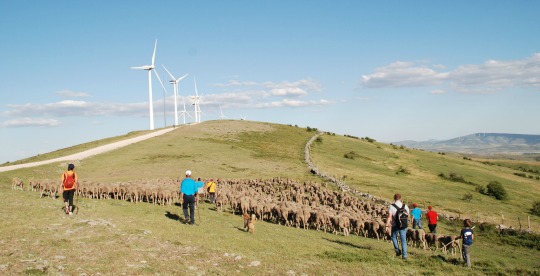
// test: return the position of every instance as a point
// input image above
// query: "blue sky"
(389, 70)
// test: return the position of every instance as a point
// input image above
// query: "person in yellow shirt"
(70, 183)
(211, 188)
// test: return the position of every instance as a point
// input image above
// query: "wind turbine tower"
(175, 82)
(196, 103)
(150, 68)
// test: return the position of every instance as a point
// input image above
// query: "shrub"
(481, 189)
(350, 155)
(402, 170)
(371, 140)
(468, 197)
(496, 189)
(536, 208)
(318, 140)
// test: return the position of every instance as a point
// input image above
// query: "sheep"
(17, 184)
(419, 238)
(431, 240)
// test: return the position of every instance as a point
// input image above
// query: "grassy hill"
(116, 237)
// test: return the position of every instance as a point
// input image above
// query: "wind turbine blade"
(154, 55)
(181, 78)
(168, 71)
(157, 75)
(137, 67)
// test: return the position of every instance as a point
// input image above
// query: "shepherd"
(188, 191)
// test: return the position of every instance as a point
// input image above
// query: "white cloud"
(30, 122)
(244, 95)
(490, 77)
(288, 91)
(72, 94)
(437, 91)
(403, 74)
(75, 108)
(298, 88)
(292, 103)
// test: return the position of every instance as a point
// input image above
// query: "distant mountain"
(482, 143)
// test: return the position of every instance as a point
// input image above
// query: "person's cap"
(429, 207)
(415, 205)
(188, 172)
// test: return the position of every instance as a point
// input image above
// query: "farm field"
(115, 237)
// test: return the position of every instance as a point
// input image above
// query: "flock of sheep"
(283, 201)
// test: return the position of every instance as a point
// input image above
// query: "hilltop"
(482, 143)
(116, 236)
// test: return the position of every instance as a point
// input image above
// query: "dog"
(251, 224)
(246, 221)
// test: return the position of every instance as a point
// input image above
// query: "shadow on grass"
(367, 247)
(172, 216)
(449, 260)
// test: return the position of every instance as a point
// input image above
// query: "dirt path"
(90, 152)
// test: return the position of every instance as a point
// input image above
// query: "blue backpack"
(467, 236)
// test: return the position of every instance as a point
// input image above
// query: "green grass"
(114, 237)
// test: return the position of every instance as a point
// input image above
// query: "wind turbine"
(184, 112)
(196, 101)
(175, 82)
(149, 68)
(222, 116)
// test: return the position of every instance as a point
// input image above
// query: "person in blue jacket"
(188, 192)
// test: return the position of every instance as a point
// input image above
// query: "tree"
(496, 189)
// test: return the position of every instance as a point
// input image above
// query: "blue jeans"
(417, 222)
(403, 236)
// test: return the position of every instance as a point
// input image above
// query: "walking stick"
(199, 214)
(77, 202)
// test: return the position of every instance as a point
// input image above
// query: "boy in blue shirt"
(467, 236)
(417, 216)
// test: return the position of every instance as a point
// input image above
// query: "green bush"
(481, 189)
(536, 208)
(496, 189)
(468, 197)
(350, 155)
(403, 170)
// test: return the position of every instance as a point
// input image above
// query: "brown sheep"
(431, 240)
(17, 184)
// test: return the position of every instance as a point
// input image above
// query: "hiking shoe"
(398, 253)
(70, 213)
(186, 221)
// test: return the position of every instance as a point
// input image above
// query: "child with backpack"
(69, 184)
(467, 236)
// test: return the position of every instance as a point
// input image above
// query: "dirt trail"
(90, 152)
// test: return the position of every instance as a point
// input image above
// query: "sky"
(388, 70)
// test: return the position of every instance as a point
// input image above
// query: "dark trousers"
(68, 196)
(432, 228)
(189, 201)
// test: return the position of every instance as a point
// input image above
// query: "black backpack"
(402, 217)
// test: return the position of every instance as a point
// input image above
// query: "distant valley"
(482, 144)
